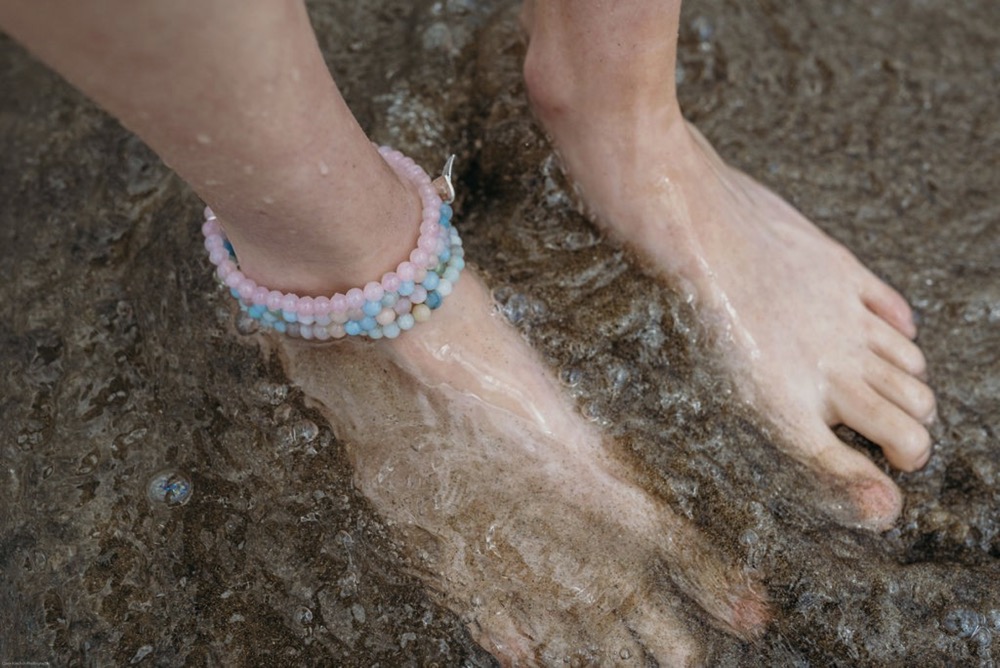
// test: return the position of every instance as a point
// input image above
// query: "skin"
(228, 92)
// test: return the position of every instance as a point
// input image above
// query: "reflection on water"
(120, 360)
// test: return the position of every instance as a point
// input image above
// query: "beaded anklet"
(382, 308)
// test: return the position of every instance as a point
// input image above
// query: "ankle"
(366, 236)
(619, 68)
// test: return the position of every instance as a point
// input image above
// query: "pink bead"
(337, 331)
(390, 282)
(274, 300)
(246, 289)
(306, 306)
(406, 271)
(402, 306)
(290, 303)
(419, 295)
(338, 303)
(217, 255)
(260, 295)
(355, 298)
(431, 213)
(385, 316)
(421, 275)
(419, 257)
(213, 242)
(355, 314)
(226, 267)
(430, 228)
(374, 291)
(321, 306)
(210, 227)
(234, 278)
(427, 243)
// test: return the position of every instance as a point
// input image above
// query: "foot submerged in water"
(815, 338)
(507, 503)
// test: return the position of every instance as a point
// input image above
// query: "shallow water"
(121, 361)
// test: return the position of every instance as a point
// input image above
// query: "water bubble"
(170, 487)
(141, 654)
(570, 376)
(304, 615)
(625, 653)
(516, 308)
(305, 430)
(963, 623)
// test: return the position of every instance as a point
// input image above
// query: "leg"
(817, 338)
(227, 92)
(458, 434)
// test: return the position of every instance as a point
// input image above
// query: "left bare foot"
(814, 337)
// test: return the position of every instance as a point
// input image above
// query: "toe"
(875, 500)
(885, 302)
(901, 388)
(905, 442)
(888, 343)
(663, 635)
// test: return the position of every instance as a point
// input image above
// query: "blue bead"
(446, 213)
(406, 288)
(433, 299)
(445, 255)
(405, 321)
(234, 292)
(256, 311)
(269, 316)
(458, 263)
(431, 281)
(352, 327)
(389, 299)
(289, 316)
(391, 330)
(375, 333)
(371, 308)
(367, 323)
(280, 326)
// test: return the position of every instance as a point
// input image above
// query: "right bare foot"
(506, 501)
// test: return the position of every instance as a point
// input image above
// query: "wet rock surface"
(169, 499)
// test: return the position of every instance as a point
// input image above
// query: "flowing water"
(169, 497)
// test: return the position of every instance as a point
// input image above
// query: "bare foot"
(818, 339)
(507, 502)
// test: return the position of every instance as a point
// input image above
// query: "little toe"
(901, 388)
(884, 301)
(905, 442)
(887, 342)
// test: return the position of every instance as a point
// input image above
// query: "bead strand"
(382, 308)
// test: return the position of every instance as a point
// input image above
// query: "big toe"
(862, 495)
(884, 301)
